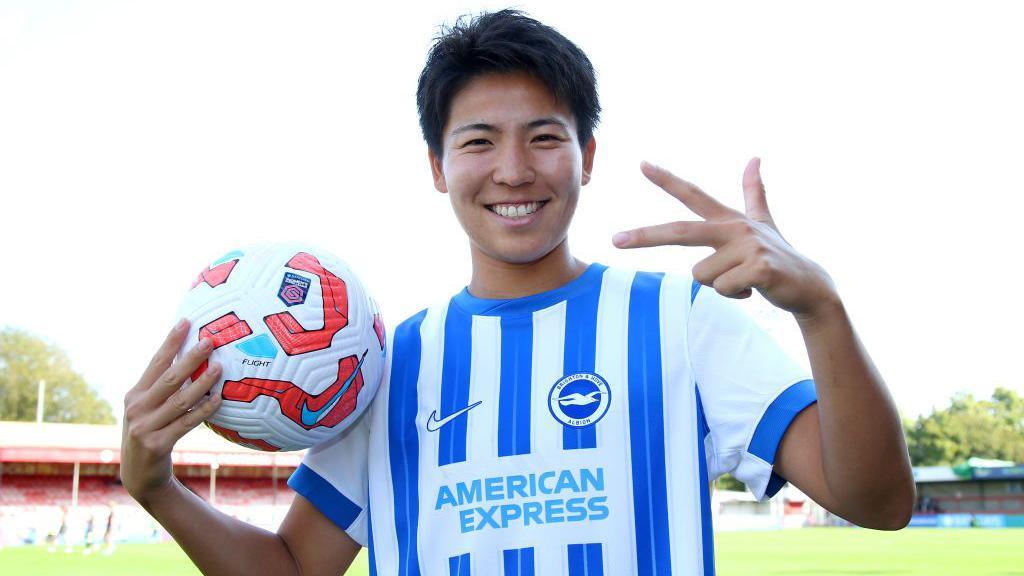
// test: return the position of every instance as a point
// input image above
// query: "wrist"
(154, 499)
(827, 311)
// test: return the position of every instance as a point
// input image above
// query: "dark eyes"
(542, 138)
(547, 138)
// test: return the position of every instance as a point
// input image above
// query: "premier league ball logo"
(579, 399)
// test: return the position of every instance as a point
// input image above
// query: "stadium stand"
(47, 469)
(969, 496)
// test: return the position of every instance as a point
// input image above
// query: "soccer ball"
(300, 341)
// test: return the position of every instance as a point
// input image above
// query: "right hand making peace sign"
(750, 252)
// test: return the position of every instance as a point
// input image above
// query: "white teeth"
(516, 210)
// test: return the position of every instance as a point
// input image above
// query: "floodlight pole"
(273, 480)
(74, 487)
(273, 487)
(213, 483)
(39, 402)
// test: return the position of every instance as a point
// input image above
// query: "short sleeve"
(750, 390)
(333, 477)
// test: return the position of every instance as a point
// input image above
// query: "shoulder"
(412, 321)
(674, 287)
(413, 329)
(631, 274)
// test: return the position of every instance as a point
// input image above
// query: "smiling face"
(512, 166)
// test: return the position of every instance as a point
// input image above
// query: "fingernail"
(620, 238)
(205, 345)
(181, 324)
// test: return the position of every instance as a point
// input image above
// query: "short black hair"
(504, 42)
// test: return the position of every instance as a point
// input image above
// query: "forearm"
(863, 452)
(217, 543)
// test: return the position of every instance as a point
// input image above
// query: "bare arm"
(307, 543)
(157, 414)
(848, 452)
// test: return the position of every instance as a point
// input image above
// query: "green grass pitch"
(824, 551)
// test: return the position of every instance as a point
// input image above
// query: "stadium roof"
(101, 444)
(930, 474)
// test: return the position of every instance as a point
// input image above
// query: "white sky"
(141, 140)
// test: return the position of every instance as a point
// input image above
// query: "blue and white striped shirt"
(569, 432)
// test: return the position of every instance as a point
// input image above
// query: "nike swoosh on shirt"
(439, 423)
(311, 417)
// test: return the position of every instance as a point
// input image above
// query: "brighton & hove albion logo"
(293, 289)
(579, 399)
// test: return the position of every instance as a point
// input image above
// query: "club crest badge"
(579, 399)
(293, 289)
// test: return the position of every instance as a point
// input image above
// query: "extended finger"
(173, 432)
(172, 378)
(754, 197)
(737, 282)
(673, 233)
(695, 199)
(186, 398)
(164, 356)
(728, 257)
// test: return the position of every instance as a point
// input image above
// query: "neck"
(503, 280)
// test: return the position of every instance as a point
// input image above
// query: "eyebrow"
(547, 121)
(483, 126)
(475, 126)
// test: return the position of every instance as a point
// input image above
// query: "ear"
(588, 160)
(437, 171)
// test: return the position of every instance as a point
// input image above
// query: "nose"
(513, 166)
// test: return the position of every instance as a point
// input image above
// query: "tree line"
(25, 359)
